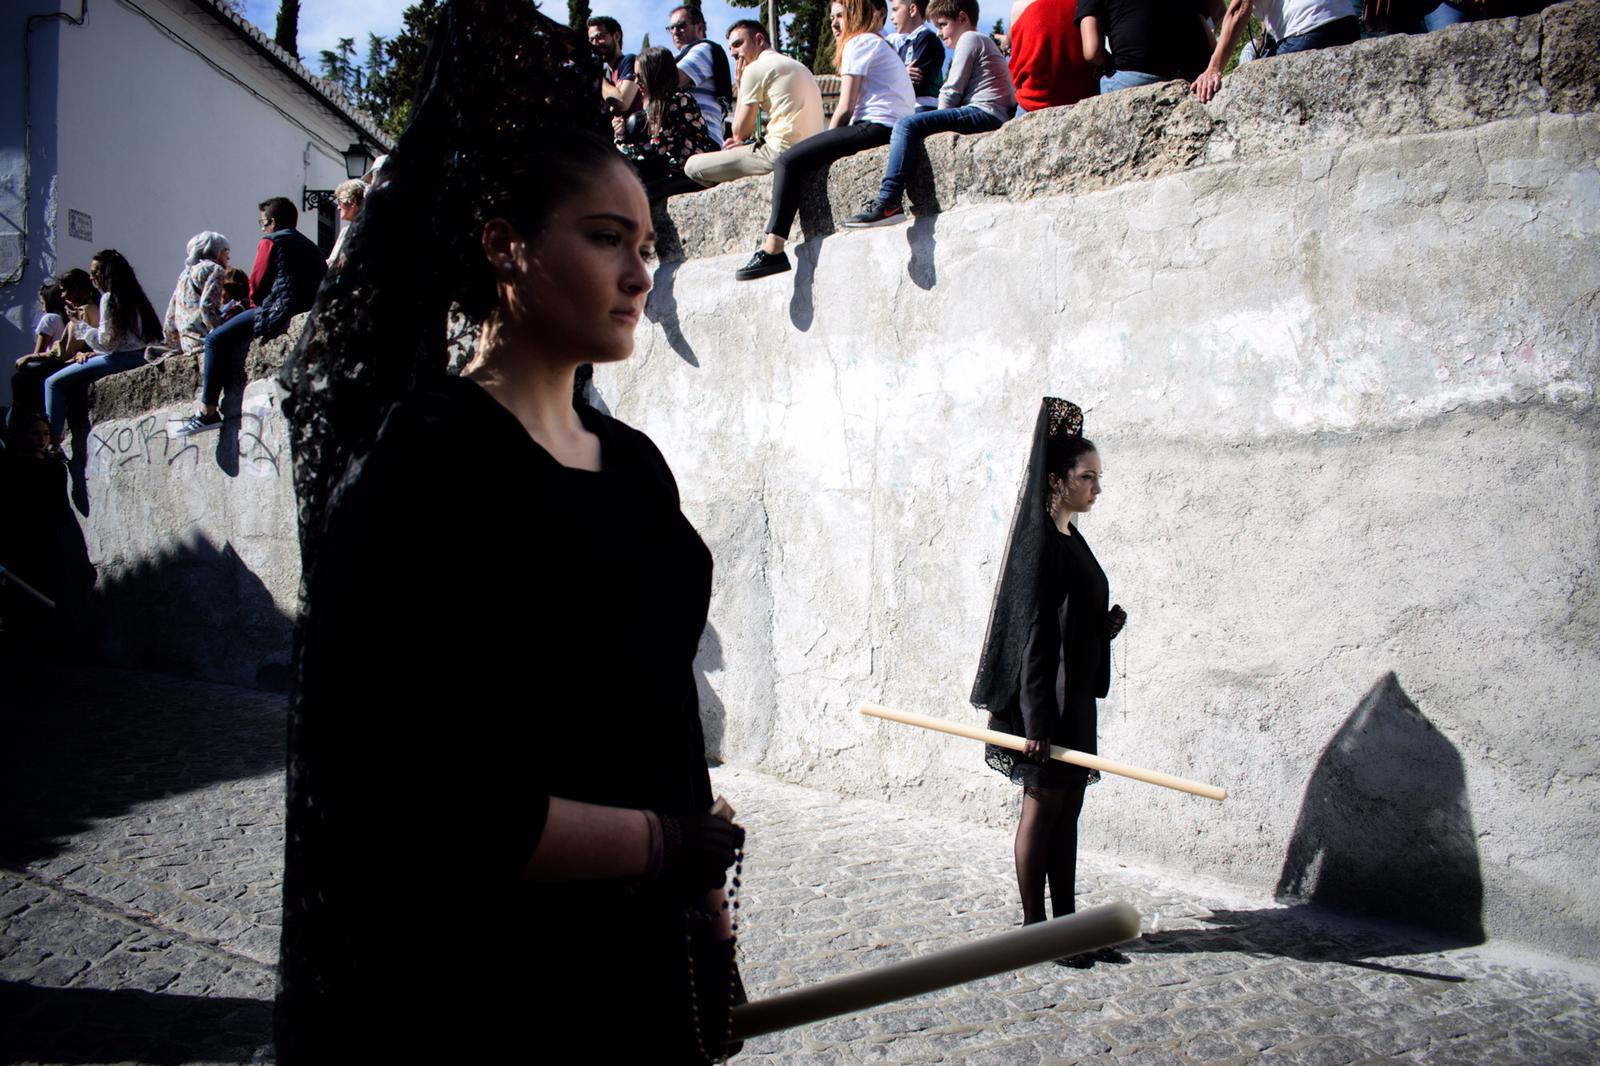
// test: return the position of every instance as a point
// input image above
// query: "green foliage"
(763, 15)
(644, 42)
(1252, 30)
(388, 92)
(578, 17)
(288, 30)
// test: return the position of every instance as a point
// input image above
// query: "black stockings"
(1047, 848)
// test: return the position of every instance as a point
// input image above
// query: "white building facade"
(135, 124)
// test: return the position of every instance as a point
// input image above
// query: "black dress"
(492, 629)
(1066, 665)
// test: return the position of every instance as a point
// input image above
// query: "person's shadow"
(1384, 835)
(924, 199)
(713, 718)
(661, 306)
(1385, 826)
(816, 218)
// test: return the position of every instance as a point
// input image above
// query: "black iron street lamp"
(356, 161)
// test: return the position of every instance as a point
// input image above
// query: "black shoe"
(762, 264)
(1111, 955)
(877, 213)
(199, 424)
(1078, 962)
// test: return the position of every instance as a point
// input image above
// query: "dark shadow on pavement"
(1306, 933)
(1385, 826)
(83, 750)
(84, 1025)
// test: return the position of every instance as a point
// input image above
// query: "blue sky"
(323, 22)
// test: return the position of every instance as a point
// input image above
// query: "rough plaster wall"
(1345, 399)
(1337, 335)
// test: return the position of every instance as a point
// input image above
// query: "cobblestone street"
(140, 871)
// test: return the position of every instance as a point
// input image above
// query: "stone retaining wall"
(1336, 335)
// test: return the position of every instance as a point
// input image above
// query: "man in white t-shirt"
(1292, 26)
(702, 67)
(779, 105)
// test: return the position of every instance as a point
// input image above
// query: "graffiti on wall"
(153, 440)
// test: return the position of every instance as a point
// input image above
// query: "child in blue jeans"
(977, 97)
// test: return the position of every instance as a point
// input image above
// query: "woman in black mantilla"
(1047, 657)
(498, 845)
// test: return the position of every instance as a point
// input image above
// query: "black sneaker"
(199, 424)
(877, 213)
(762, 264)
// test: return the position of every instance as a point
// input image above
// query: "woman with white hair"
(349, 195)
(196, 305)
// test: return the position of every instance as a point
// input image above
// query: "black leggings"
(791, 169)
(1047, 848)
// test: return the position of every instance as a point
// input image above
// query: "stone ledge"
(176, 381)
(1384, 87)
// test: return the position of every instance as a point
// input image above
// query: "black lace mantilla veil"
(1016, 594)
(498, 75)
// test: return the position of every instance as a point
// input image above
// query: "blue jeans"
(225, 347)
(1327, 35)
(80, 376)
(910, 131)
(1127, 79)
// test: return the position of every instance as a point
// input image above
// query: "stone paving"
(140, 872)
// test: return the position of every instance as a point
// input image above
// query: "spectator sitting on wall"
(977, 98)
(918, 47)
(1047, 64)
(195, 308)
(52, 324)
(874, 93)
(674, 129)
(235, 292)
(1292, 26)
(45, 359)
(619, 82)
(702, 67)
(1142, 42)
(349, 196)
(283, 283)
(116, 337)
(770, 84)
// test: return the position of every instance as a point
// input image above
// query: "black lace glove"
(693, 851)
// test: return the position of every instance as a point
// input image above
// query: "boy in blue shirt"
(977, 97)
(919, 48)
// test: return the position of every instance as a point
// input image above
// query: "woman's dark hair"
(129, 305)
(525, 192)
(658, 77)
(76, 280)
(54, 300)
(1063, 453)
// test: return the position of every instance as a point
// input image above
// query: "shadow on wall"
(196, 610)
(72, 1025)
(1385, 827)
(713, 718)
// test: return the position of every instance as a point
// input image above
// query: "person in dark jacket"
(1047, 658)
(283, 283)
